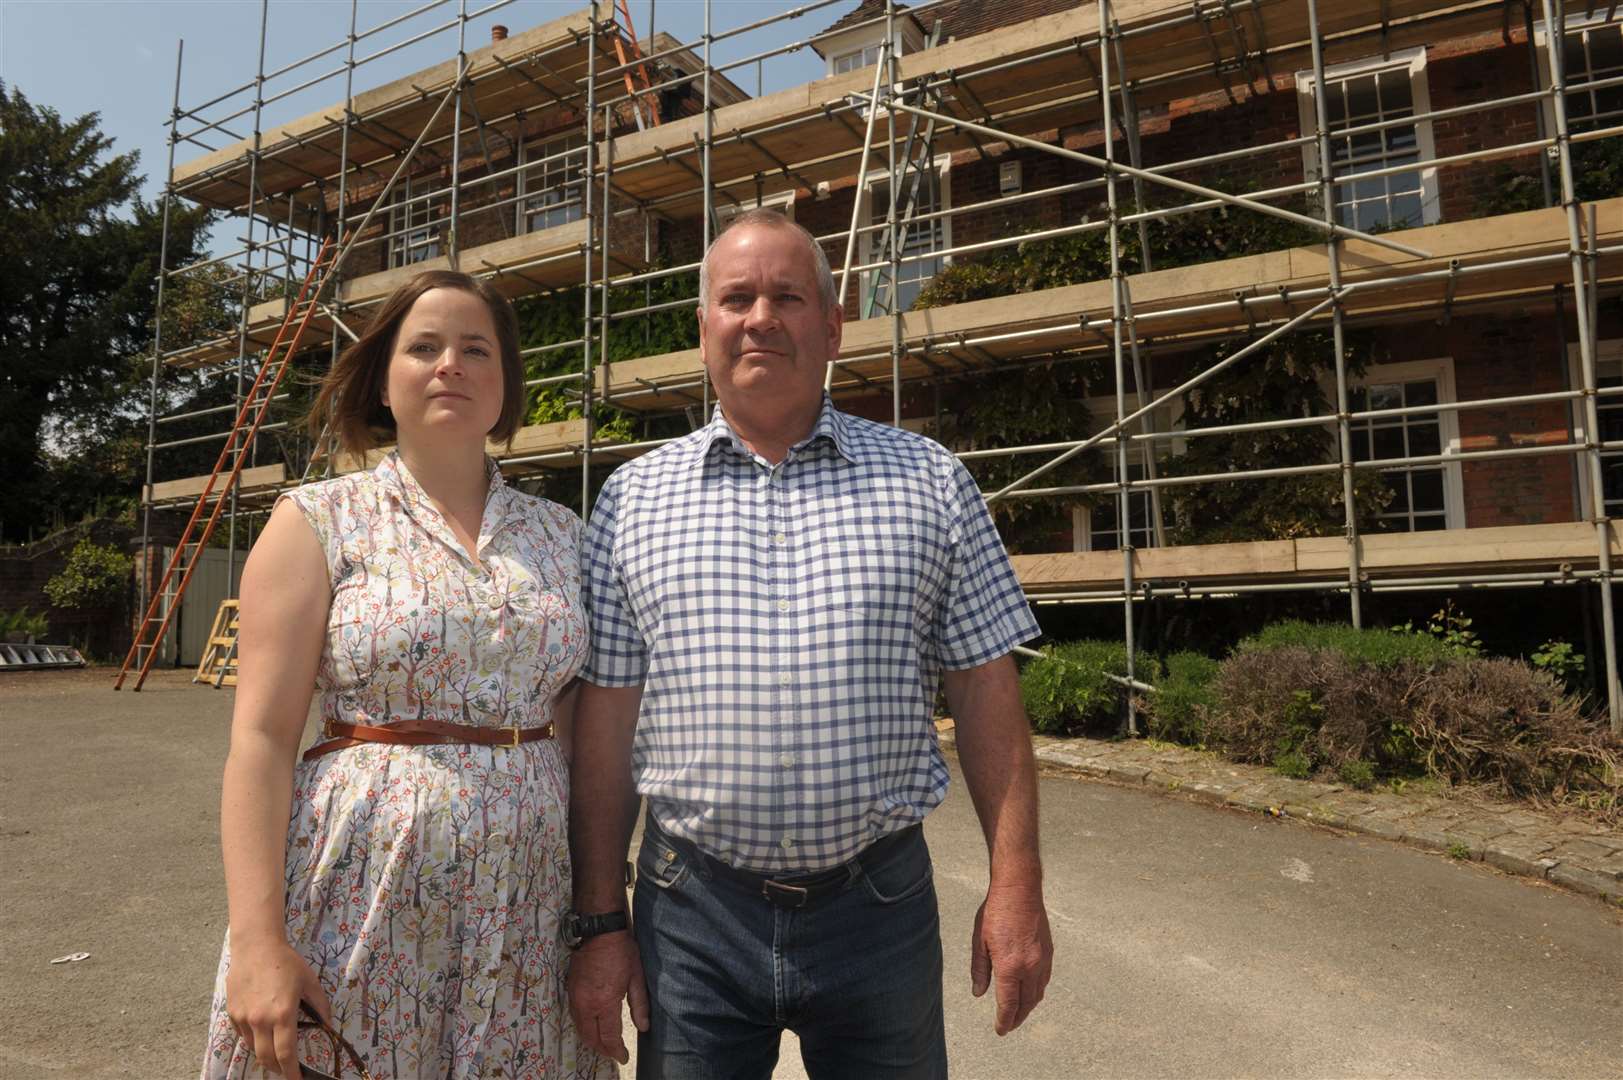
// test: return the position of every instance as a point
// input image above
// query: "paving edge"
(1511, 861)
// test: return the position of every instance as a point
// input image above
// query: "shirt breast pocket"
(873, 563)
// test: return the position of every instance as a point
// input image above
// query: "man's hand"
(1012, 949)
(606, 971)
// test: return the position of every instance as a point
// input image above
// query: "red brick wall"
(1465, 70)
(1502, 356)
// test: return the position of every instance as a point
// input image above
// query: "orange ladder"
(625, 47)
(160, 612)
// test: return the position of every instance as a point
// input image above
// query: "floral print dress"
(425, 884)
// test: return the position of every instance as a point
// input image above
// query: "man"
(774, 601)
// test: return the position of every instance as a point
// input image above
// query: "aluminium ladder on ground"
(149, 633)
(36, 657)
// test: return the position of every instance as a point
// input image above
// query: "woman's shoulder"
(540, 510)
(337, 490)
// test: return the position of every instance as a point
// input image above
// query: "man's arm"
(602, 814)
(1011, 947)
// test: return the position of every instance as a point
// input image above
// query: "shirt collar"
(833, 428)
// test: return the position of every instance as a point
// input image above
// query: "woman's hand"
(262, 993)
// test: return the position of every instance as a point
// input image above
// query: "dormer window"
(857, 40)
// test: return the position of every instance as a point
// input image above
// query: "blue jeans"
(856, 974)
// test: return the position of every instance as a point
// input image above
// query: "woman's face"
(445, 370)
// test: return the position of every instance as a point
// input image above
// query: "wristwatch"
(577, 928)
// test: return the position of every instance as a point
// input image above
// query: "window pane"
(1396, 95)
(1424, 439)
(1430, 523)
(1360, 444)
(1422, 392)
(1405, 210)
(1388, 443)
(1611, 422)
(1612, 479)
(1399, 483)
(1362, 103)
(1428, 489)
(1404, 182)
(1388, 396)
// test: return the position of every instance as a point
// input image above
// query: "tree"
(79, 256)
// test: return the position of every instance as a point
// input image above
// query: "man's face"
(763, 333)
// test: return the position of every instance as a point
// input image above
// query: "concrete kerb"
(1512, 837)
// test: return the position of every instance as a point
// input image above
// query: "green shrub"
(1358, 774)
(1378, 706)
(1451, 627)
(95, 575)
(1561, 661)
(22, 621)
(1379, 648)
(1069, 686)
(1184, 699)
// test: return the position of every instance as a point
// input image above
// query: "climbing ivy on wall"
(556, 317)
(1042, 403)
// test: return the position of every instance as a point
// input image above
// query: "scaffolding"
(416, 170)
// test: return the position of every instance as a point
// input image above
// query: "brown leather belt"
(422, 733)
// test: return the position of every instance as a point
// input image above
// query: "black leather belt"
(796, 890)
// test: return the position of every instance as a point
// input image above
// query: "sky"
(118, 57)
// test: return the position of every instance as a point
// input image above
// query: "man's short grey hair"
(769, 218)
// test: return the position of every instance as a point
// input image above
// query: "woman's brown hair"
(352, 391)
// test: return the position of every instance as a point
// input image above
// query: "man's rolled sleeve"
(984, 614)
(619, 657)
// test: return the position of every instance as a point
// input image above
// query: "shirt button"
(786, 760)
(780, 538)
(785, 679)
(783, 605)
(786, 843)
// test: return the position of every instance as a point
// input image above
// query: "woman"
(406, 879)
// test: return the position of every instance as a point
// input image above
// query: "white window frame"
(1412, 60)
(1448, 423)
(1608, 351)
(536, 149)
(422, 242)
(1168, 417)
(1573, 22)
(868, 248)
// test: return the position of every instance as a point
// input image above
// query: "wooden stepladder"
(219, 663)
(149, 634)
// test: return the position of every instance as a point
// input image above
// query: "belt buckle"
(516, 730)
(784, 893)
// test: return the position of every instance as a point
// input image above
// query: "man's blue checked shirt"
(789, 626)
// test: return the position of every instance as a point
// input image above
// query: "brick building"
(1453, 265)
